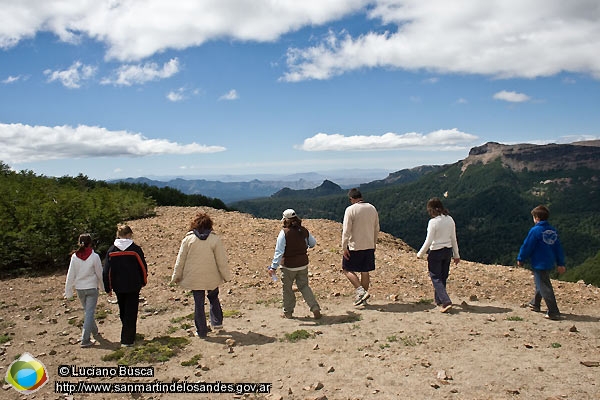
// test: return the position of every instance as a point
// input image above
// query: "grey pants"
(544, 290)
(289, 298)
(89, 300)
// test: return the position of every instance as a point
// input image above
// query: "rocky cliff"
(532, 157)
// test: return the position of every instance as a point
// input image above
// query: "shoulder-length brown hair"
(435, 207)
(201, 222)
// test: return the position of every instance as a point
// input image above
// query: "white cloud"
(462, 100)
(134, 30)
(127, 75)
(441, 139)
(231, 95)
(576, 138)
(176, 95)
(512, 97)
(498, 38)
(73, 76)
(25, 143)
(181, 94)
(12, 79)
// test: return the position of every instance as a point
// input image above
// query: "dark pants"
(216, 313)
(544, 290)
(438, 262)
(128, 311)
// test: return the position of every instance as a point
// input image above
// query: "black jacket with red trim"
(125, 271)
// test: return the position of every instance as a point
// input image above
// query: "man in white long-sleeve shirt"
(359, 239)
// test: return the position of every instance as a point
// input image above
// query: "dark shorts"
(360, 261)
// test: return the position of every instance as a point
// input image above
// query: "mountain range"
(231, 188)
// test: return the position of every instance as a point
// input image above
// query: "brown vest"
(295, 247)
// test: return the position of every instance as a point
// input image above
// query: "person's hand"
(346, 254)
(561, 269)
(456, 261)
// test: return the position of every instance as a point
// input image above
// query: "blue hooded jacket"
(543, 246)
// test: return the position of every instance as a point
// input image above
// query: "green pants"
(289, 298)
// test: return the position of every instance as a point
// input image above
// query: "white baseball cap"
(289, 213)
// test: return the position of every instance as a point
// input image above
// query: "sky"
(198, 88)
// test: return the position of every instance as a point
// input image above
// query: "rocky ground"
(399, 346)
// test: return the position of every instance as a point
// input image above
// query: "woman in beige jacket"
(201, 267)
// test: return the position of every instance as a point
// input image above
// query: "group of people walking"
(201, 265)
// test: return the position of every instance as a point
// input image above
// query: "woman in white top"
(85, 276)
(440, 246)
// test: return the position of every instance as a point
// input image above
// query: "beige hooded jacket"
(201, 264)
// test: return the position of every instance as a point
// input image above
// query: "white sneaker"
(361, 297)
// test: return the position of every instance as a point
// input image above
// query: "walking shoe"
(87, 344)
(553, 317)
(287, 315)
(217, 327)
(317, 314)
(534, 307)
(126, 345)
(361, 297)
(446, 308)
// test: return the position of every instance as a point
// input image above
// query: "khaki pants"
(289, 297)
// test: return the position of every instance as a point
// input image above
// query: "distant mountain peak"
(325, 188)
(328, 186)
(534, 157)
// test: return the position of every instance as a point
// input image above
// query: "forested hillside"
(41, 217)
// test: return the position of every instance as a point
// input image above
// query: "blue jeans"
(89, 300)
(438, 262)
(215, 312)
(544, 290)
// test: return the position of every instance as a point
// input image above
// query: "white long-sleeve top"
(84, 274)
(441, 232)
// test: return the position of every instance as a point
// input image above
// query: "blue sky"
(114, 89)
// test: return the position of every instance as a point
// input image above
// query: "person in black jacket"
(125, 273)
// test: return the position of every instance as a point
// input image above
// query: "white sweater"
(84, 274)
(360, 227)
(441, 232)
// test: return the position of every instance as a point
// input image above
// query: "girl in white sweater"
(440, 246)
(85, 276)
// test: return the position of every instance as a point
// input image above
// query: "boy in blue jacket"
(543, 246)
